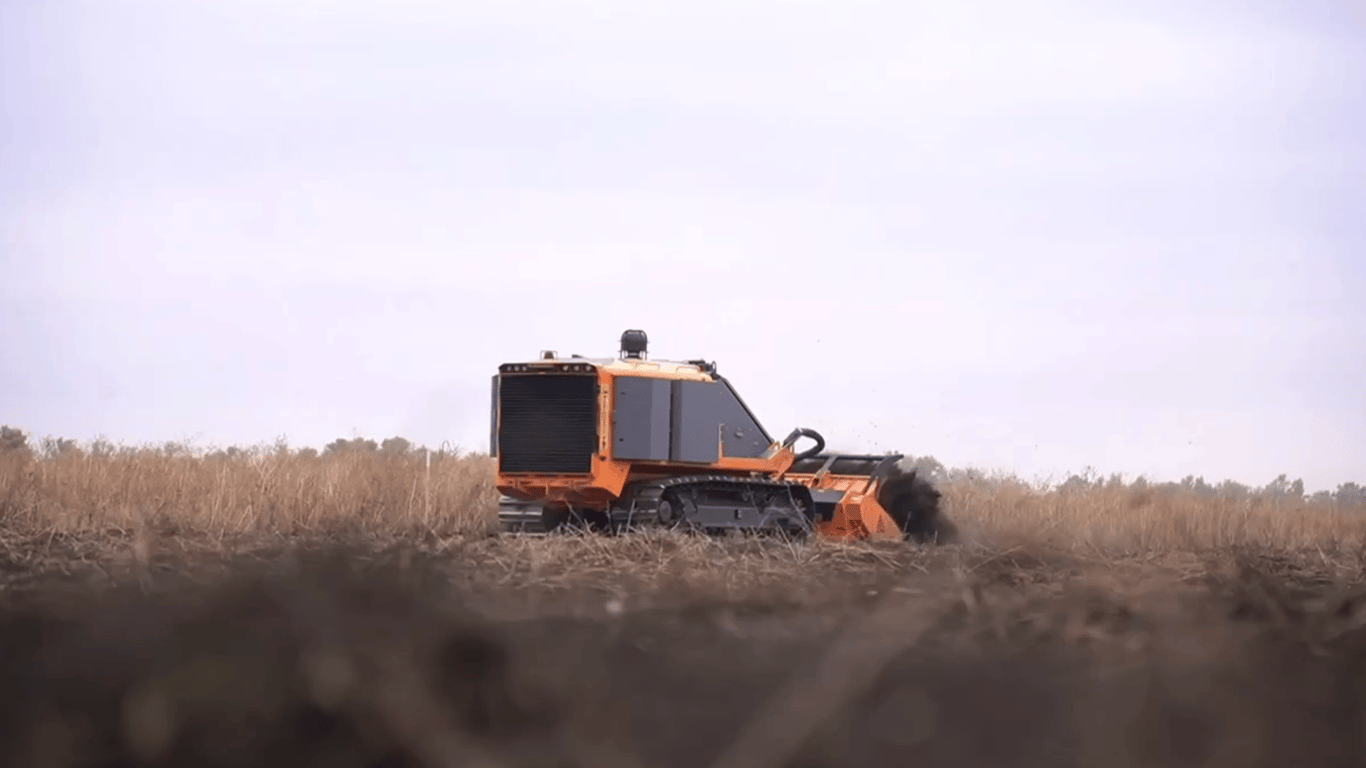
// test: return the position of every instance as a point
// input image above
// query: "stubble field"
(277, 607)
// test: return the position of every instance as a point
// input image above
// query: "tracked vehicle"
(626, 443)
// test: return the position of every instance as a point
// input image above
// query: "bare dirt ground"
(668, 650)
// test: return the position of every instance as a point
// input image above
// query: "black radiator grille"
(548, 423)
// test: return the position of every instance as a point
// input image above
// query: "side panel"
(701, 410)
(741, 433)
(693, 436)
(754, 430)
(640, 419)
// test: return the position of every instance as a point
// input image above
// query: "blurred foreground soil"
(161, 652)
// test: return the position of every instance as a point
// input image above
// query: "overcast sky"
(1021, 237)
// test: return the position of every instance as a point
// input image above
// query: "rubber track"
(644, 497)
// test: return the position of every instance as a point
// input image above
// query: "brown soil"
(670, 652)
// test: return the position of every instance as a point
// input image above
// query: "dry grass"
(103, 489)
(259, 491)
(1124, 520)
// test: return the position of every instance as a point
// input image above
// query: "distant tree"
(13, 440)
(173, 448)
(1232, 489)
(1075, 483)
(1198, 485)
(929, 468)
(342, 445)
(1350, 494)
(53, 447)
(959, 475)
(225, 454)
(396, 445)
(1281, 488)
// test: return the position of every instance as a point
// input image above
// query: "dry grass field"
(357, 608)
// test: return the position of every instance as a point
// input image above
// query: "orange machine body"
(608, 437)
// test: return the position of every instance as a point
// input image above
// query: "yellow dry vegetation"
(1127, 520)
(272, 490)
(278, 490)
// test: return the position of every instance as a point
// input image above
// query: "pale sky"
(1020, 237)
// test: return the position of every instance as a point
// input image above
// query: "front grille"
(548, 423)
